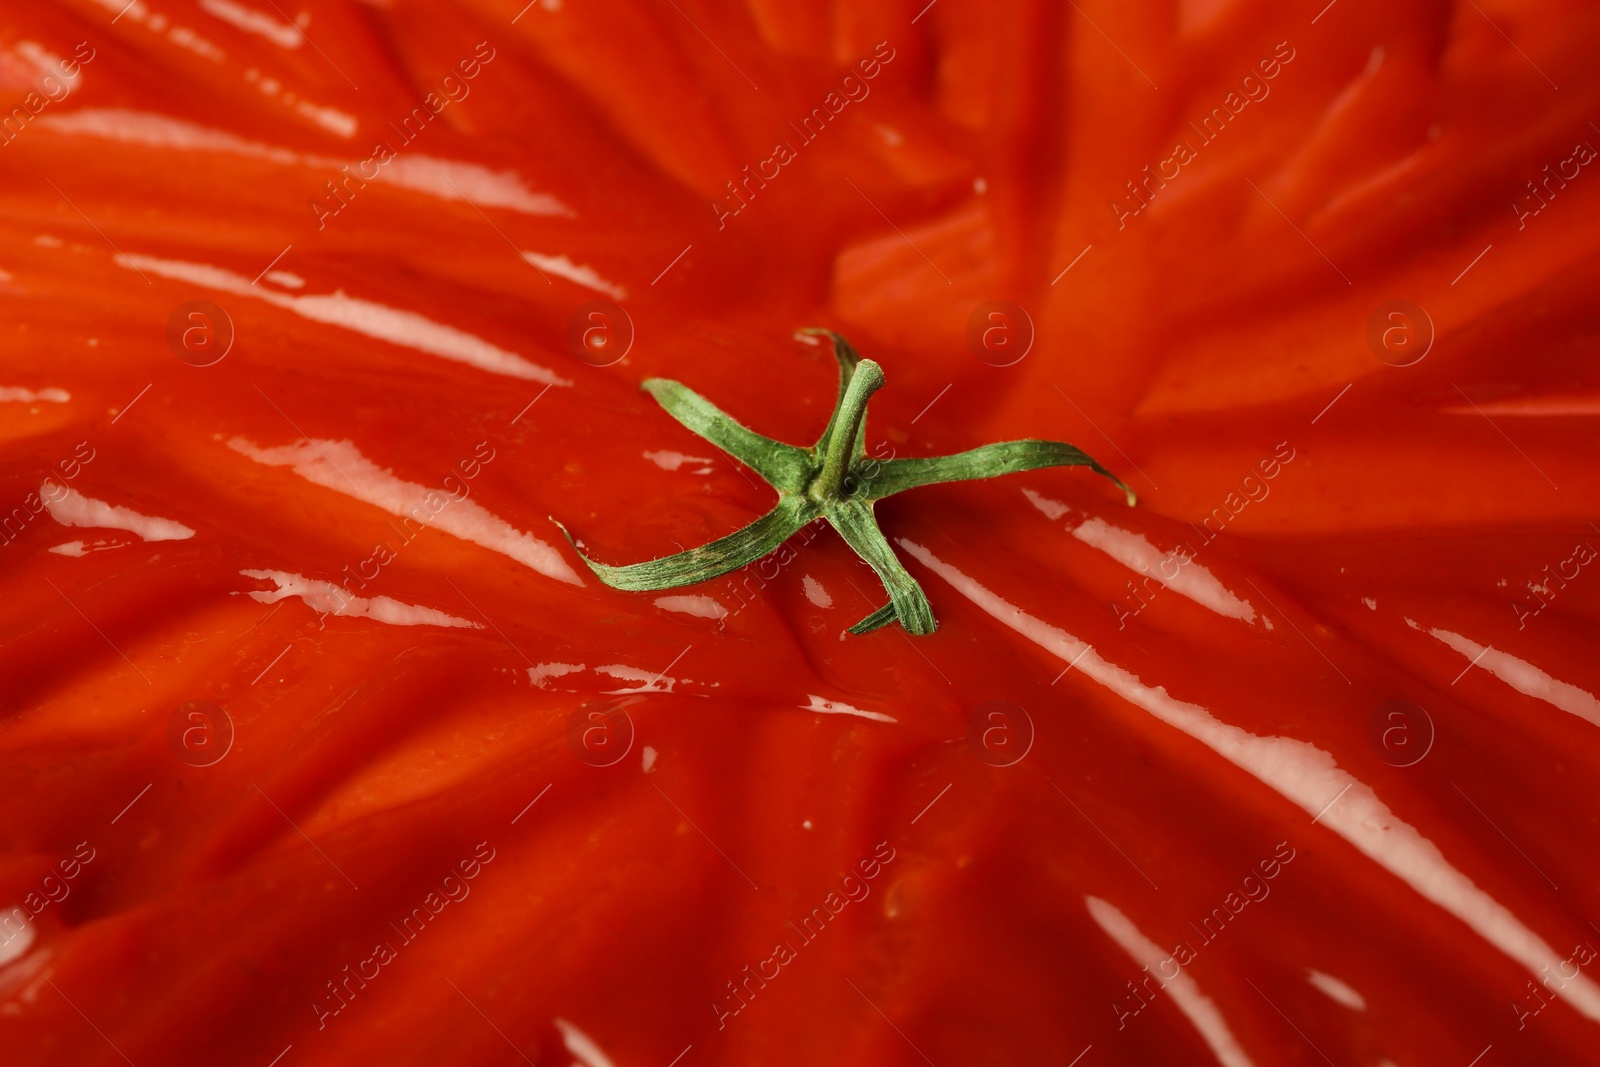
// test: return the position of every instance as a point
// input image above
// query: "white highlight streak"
(17, 394)
(1341, 992)
(1524, 677)
(583, 275)
(1135, 552)
(668, 460)
(331, 599)
(1200, 1009)
(696, 604)
(653, 683)
(340, 466)
(450, 179)
(1307, 776)
(15, 937)
(1534, 406)
(1052, 509)
(582, 1046)
(405, 329)
(251, 21)
(72, 508)
(839, 707)
(446, 179)
(540, 671)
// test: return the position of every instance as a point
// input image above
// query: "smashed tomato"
(320, 745)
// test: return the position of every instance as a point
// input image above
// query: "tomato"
(320, 745)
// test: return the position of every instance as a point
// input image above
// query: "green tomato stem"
(829, 485)
(829, 479)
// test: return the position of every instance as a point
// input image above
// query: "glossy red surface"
(417, 748)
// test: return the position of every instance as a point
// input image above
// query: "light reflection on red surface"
(1208, 215)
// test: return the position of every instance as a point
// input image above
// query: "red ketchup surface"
(318, 741)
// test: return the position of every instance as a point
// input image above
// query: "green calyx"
(833, 480)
